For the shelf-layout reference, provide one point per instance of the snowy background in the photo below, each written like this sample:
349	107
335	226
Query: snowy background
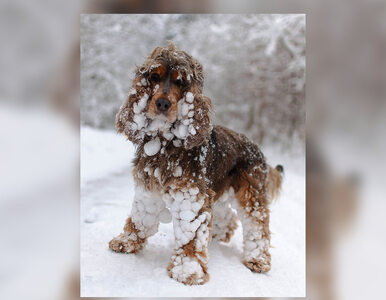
254	67
255	75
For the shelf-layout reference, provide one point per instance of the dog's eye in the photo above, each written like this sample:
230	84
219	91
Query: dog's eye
155	77
178	82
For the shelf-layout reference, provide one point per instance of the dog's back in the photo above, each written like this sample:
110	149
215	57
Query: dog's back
232	155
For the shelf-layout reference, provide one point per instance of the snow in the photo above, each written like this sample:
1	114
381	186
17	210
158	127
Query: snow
102	152
189	97
192	131
187	215
184	125
165	216
229	52
177	143
107	196
144	82
152	147
185	231
179	131
185	208
185	267
177	172
223	216
146	210
184	109
255	243
139	107
140	120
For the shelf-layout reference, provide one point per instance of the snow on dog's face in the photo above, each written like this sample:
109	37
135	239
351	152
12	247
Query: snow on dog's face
167	86
166	101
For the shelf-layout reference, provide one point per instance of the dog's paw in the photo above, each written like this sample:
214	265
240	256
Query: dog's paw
187	270
126	242
224	237
258	265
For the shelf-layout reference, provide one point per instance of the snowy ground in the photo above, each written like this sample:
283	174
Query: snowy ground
106	195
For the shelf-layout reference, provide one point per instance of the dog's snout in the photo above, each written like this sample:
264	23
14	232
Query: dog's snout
163	104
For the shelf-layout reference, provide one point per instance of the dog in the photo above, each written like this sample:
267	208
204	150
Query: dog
190	172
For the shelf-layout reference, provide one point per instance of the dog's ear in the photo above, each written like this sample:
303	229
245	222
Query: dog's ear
199	105
131	117
201	126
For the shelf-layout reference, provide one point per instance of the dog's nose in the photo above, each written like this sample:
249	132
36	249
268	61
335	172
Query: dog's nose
163	104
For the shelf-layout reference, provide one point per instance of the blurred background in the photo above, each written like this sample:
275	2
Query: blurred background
346	116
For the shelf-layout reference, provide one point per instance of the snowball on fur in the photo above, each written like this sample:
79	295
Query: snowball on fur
152	147
189	97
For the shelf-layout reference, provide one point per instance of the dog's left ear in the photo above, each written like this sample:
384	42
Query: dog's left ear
201	127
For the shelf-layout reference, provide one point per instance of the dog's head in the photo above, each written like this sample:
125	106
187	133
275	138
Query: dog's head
166	100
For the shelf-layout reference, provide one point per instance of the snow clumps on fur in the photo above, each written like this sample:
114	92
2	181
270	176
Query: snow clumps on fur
184	126
224	218
185	207
189	223
256	244
179	131
146	212
152	147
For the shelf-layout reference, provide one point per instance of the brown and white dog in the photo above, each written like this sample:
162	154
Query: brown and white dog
195	170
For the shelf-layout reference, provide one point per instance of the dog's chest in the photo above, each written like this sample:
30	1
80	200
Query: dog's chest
158	171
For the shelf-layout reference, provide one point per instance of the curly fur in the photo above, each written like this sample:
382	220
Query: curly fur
197	170
192	70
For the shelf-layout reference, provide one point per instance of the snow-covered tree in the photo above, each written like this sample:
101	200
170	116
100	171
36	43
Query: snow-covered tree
254	67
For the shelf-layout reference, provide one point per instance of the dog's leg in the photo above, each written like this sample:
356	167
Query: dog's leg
253	212
142	224
192	224
224	219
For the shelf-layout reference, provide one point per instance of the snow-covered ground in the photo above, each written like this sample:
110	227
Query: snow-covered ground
106	194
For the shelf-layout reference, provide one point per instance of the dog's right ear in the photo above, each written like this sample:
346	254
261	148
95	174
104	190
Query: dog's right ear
131	117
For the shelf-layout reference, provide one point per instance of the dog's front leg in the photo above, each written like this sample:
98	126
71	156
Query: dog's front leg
143	223
192	224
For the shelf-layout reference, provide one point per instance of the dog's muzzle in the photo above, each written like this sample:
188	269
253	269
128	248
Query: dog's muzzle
163	104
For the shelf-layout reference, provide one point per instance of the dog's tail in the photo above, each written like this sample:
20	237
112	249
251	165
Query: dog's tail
275	179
